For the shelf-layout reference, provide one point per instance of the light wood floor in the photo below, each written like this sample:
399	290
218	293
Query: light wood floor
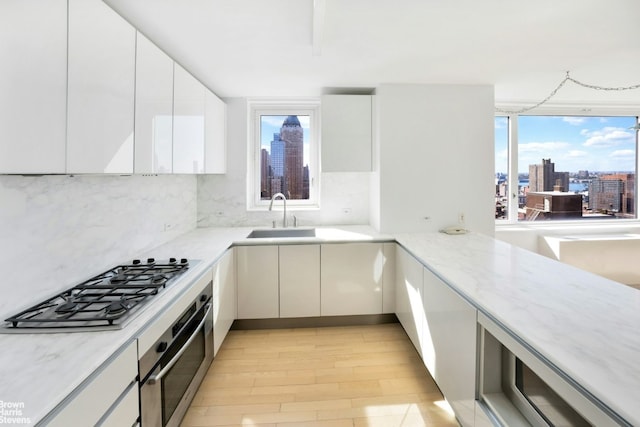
334	377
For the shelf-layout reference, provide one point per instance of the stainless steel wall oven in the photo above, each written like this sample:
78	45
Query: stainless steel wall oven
172	369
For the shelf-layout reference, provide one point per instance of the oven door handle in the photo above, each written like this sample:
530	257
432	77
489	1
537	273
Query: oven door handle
155	378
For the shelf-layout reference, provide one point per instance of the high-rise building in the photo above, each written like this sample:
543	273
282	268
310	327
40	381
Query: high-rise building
544	178
613	193
277	155
265	172
292	135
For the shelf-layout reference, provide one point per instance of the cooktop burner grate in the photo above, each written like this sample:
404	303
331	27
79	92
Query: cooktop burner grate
103	301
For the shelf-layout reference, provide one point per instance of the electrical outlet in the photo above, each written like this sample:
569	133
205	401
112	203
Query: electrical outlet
461	217
168	226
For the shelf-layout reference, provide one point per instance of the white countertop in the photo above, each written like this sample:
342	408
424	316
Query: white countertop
587	326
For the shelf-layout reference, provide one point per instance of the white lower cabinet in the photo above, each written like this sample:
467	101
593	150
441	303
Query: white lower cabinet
299	280
125	411
224	297
449	345
351	278
106	399
409	309
257	269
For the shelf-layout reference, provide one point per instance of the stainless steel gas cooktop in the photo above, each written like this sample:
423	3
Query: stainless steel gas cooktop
103	302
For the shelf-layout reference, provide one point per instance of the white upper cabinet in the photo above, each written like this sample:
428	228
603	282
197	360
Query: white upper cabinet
33	82
101	89
215	134
347	133
154	109
188	122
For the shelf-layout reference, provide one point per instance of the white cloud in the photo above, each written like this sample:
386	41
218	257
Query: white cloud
278	120
574	121
542	147
608	137
577	154
623	154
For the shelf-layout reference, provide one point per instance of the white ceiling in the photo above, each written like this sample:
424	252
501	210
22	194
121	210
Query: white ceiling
523	47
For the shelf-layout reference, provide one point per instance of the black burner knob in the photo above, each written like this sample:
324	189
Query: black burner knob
136	261
203	297
161	347
150	260
172	260
183	261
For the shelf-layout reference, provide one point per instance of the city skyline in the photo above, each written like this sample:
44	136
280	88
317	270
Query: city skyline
596	144
282	169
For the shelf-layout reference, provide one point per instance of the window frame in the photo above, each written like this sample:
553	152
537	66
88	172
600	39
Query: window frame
282	107
512	156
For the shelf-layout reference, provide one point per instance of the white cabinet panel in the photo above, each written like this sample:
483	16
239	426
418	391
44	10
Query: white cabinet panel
346	133
224	297
409	289
154	109
257	269
101	89
215	135
125	412
449	348
33	84
389	278
299	280
188	122
351	278
93	400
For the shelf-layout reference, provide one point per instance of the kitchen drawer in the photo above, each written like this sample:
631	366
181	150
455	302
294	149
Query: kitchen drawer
88	404
124	412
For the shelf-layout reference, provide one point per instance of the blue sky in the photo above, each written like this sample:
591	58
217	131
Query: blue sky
572	143
272	124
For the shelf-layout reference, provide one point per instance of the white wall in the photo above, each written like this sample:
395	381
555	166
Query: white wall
56	231
436	157
222	198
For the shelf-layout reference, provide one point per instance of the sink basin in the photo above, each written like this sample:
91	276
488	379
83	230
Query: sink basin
278	233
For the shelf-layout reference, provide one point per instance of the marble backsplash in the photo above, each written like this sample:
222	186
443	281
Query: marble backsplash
57	230
344	200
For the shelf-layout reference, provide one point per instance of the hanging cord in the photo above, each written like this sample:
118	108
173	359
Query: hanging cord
562	83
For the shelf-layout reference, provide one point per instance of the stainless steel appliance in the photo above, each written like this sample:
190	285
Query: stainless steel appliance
173	368
103	302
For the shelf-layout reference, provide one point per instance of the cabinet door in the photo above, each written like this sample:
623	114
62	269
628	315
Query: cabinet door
449	349
33	84
154	109
346	133
224	298
409	289
101	89
91	401
299	280
188	123
351	279
257	282
215	134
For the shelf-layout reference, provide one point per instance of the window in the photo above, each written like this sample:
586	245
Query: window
568	167
502	167
284	153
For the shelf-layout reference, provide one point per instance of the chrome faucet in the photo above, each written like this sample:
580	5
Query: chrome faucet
284	200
